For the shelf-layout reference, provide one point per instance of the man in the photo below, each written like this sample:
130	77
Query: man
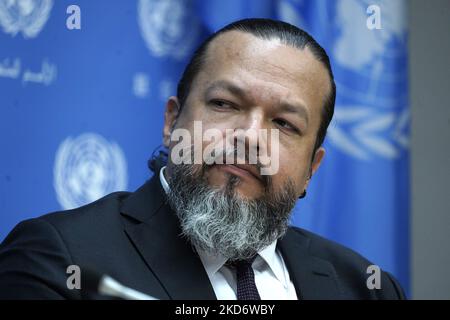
212	229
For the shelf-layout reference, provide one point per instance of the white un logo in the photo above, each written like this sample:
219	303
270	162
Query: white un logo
26	16
371	120
168	27
86	168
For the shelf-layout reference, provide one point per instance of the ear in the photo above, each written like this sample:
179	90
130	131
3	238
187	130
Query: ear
170	116
317	160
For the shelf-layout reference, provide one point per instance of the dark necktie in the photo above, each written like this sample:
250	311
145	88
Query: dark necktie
246	286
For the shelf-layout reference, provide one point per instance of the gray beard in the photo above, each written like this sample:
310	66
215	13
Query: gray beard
220	222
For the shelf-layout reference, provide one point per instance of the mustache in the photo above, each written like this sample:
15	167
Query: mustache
235	153
232	152
221	157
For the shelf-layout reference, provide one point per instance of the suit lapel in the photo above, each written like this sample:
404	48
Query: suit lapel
156	235
155	232
313	277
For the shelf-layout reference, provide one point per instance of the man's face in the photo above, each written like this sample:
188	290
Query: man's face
250	83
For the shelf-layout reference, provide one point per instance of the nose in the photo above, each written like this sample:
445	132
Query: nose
249	131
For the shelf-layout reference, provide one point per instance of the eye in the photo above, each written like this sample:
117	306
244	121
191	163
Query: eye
285	125
221	104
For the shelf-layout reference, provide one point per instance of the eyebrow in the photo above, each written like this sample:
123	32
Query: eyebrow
298	109
227	86
286	107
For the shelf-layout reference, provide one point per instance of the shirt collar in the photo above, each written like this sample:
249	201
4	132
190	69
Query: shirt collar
270	255
213	263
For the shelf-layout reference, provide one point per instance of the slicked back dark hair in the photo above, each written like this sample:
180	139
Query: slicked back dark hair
266	29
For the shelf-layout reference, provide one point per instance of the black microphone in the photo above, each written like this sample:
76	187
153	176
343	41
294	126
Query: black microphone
156	162
92	281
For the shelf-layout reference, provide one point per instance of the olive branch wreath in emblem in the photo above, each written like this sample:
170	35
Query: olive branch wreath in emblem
28	17
362	132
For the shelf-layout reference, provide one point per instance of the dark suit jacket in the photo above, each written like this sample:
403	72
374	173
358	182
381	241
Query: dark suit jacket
134	237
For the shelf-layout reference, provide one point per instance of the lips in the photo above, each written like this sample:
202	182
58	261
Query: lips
249	168
243	169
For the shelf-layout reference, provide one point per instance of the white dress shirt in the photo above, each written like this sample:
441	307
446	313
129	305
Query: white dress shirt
271	275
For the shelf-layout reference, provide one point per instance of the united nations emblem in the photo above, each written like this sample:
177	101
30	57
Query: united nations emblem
370	121
168	27
26	16
86	168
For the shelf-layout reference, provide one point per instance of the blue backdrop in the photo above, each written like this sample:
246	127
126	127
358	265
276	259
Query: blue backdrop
82	109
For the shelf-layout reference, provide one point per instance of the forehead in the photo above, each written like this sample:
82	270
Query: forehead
265	68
